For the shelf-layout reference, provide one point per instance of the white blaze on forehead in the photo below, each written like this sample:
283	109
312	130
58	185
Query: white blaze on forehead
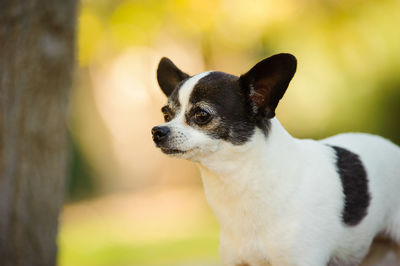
186	89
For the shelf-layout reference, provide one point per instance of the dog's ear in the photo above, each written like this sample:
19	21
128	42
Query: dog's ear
169	76
267	81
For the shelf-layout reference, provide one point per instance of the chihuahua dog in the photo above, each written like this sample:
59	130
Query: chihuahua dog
279	200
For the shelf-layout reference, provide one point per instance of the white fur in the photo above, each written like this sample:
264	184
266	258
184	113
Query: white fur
279	199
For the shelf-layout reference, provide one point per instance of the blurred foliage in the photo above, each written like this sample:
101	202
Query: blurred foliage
347	80
80	182
348	51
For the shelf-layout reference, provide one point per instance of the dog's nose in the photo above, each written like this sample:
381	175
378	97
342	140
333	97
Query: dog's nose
159	133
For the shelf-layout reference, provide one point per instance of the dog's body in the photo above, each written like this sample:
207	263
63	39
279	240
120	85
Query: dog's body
279	200
286	209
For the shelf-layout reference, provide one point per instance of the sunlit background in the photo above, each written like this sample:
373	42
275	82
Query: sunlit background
127	203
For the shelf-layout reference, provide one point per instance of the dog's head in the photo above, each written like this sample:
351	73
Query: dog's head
212	110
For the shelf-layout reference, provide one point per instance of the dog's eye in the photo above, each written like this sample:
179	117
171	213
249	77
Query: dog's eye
167	117
202	117
167	113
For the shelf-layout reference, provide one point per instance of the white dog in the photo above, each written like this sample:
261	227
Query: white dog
279	200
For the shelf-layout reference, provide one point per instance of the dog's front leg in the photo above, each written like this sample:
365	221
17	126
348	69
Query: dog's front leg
243	253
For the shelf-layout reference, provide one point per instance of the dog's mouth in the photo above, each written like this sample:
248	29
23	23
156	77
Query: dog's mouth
172	151
175	151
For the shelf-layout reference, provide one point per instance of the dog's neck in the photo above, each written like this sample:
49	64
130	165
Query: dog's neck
234	176
263	151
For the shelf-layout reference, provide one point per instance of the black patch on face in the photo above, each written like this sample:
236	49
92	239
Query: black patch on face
235	118
355	185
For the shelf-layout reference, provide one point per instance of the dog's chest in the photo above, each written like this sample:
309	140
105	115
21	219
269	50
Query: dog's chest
237	248
249	235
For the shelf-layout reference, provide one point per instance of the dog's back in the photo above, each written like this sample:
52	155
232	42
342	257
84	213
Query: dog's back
381	161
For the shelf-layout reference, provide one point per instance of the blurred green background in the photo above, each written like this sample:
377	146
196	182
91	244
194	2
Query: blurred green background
127	203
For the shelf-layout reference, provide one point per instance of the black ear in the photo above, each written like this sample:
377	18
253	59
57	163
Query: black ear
267	81
169	76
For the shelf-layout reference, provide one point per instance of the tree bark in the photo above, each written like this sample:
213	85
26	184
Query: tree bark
36	62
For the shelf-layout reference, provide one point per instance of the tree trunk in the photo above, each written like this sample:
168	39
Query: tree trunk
36	62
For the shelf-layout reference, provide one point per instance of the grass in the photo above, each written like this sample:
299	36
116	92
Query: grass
168	252
111	232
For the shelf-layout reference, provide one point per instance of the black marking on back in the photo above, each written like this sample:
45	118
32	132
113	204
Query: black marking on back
355	185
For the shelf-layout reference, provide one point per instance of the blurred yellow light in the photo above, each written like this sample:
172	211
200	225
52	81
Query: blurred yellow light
90	31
